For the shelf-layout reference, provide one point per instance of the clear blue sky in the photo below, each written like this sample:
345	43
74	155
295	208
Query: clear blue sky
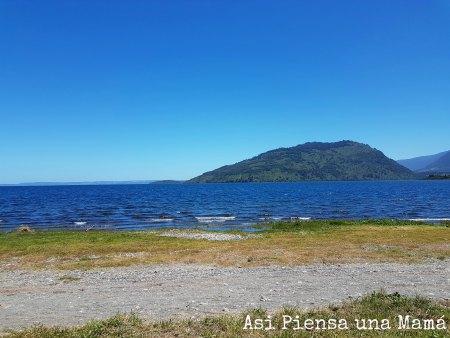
122	90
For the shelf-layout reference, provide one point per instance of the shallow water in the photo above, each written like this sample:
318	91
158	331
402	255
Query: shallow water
217	206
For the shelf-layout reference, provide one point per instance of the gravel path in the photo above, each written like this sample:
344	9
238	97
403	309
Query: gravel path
162	292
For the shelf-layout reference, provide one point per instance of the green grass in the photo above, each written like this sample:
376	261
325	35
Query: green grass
328	225
279	243
377	305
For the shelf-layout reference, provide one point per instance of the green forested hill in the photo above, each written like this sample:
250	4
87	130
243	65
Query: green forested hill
344	160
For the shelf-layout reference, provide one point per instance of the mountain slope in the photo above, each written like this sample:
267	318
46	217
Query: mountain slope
441	165
421	162
344	160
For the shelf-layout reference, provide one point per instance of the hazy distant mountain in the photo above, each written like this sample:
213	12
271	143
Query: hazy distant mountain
31	184
432	163
167	182
442	164
418	163
344	160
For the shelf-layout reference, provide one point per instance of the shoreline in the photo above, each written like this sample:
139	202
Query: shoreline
214	223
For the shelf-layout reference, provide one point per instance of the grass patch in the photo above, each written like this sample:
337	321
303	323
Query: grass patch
377	305
328	225
68	278
282	243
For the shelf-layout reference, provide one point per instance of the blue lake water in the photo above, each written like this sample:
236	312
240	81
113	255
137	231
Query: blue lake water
217	206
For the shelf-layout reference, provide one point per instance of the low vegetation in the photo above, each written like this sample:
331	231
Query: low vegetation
438	177
377	307
280	243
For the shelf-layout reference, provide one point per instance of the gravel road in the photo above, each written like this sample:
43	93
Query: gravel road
163	292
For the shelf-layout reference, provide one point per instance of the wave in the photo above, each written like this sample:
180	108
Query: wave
159	220
214	219
80	223
428	219
296	218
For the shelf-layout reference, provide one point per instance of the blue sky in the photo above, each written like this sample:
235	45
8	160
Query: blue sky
118	90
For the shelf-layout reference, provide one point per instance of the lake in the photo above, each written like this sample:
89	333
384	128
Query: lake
217	206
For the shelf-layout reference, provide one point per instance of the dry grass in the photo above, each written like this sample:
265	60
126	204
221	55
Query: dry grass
283	244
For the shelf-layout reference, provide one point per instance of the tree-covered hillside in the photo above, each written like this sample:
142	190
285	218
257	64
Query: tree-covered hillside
344	160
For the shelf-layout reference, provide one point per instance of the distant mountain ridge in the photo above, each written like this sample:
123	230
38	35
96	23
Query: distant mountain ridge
47	184
343	160
437	163
442	164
